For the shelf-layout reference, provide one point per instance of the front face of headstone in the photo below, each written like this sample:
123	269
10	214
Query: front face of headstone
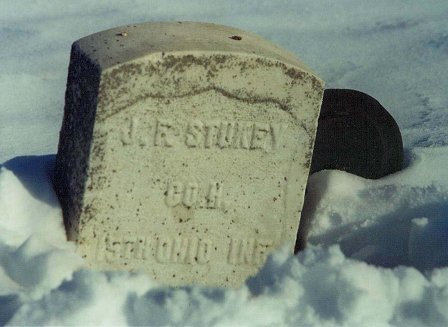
197	165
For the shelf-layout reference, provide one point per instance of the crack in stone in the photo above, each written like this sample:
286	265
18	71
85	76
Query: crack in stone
222	91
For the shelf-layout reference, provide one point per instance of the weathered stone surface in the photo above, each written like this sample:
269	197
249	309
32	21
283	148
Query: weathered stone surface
185	150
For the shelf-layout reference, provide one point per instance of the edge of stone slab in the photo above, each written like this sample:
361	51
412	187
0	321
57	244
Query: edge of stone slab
129	42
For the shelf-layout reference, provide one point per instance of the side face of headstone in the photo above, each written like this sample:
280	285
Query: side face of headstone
185	150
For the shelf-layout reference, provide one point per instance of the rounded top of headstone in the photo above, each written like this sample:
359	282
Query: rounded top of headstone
121	44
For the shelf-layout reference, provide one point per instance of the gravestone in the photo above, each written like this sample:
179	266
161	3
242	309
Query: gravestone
356	134
184	150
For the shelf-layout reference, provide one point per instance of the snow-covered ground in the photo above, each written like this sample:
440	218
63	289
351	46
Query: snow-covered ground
378	250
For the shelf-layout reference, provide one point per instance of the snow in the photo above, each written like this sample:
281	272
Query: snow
377	249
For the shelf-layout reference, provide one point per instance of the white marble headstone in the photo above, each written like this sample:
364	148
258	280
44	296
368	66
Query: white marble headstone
185	150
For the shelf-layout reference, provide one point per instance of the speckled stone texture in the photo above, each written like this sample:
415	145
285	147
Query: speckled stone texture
185	150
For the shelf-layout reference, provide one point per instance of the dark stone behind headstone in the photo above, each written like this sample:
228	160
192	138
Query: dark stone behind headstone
356	134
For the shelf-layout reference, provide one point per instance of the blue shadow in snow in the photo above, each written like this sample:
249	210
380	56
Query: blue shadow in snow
35	173
9	304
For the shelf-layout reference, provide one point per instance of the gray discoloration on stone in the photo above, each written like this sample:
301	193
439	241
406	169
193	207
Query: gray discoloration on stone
118	45
184	152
